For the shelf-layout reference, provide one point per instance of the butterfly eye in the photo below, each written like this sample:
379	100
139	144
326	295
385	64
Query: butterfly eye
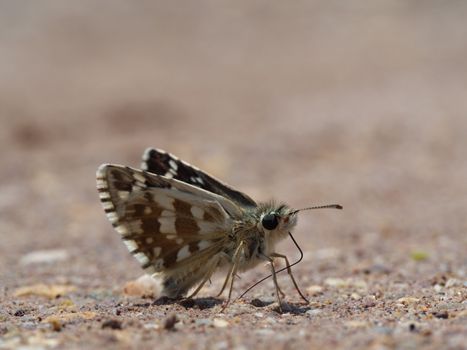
270	222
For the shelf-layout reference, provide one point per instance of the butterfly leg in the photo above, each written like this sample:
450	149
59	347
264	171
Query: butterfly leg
214	262
274	278
226	281
232	273
289	271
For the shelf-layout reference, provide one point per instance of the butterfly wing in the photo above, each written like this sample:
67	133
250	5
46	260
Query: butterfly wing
169	226
162	163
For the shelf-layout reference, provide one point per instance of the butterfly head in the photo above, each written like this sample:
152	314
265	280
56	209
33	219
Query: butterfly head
283	219
278	219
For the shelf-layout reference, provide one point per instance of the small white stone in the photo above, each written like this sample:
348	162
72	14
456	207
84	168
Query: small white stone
453	282
315	290
336	282
220	323
44	256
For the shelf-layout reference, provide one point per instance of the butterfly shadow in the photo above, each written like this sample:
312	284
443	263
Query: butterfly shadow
294	309
190	303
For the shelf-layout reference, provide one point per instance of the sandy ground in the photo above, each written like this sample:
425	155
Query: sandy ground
310	102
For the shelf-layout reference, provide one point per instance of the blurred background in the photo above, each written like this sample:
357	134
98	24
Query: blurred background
309	102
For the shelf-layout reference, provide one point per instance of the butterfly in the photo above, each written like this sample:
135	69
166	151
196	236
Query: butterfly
182	224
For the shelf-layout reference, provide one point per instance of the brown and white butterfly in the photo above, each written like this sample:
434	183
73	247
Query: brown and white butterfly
182	224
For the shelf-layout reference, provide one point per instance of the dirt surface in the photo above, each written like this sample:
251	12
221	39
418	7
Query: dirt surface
363	104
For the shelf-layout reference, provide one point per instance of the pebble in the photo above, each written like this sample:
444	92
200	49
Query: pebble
144	286
220	323
335	282
453	282
44	256
314	290
345	283
441	314
112	324
383	330
154	326
49	291
408	300
203	322
170	322
19	313
357	324
369	301
221	345
314	312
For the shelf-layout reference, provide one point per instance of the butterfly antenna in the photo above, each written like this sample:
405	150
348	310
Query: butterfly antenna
327	206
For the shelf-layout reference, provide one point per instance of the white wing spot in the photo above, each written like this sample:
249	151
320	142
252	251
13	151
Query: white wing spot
146	154
135	226
167	225
131	245
121	229
183	253
113	218
179	240
102	184
138	186
167	213
206	227
172	236
173	165
149	240
200	180
143	259
147	210
123	194
165	202
169	175
139	177
203	244
108	205
157	251
197	212
104	195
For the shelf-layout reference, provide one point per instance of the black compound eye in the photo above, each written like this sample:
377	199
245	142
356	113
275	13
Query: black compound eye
270	222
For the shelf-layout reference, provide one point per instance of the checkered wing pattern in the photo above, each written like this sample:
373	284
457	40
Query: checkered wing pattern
163	163
166	224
